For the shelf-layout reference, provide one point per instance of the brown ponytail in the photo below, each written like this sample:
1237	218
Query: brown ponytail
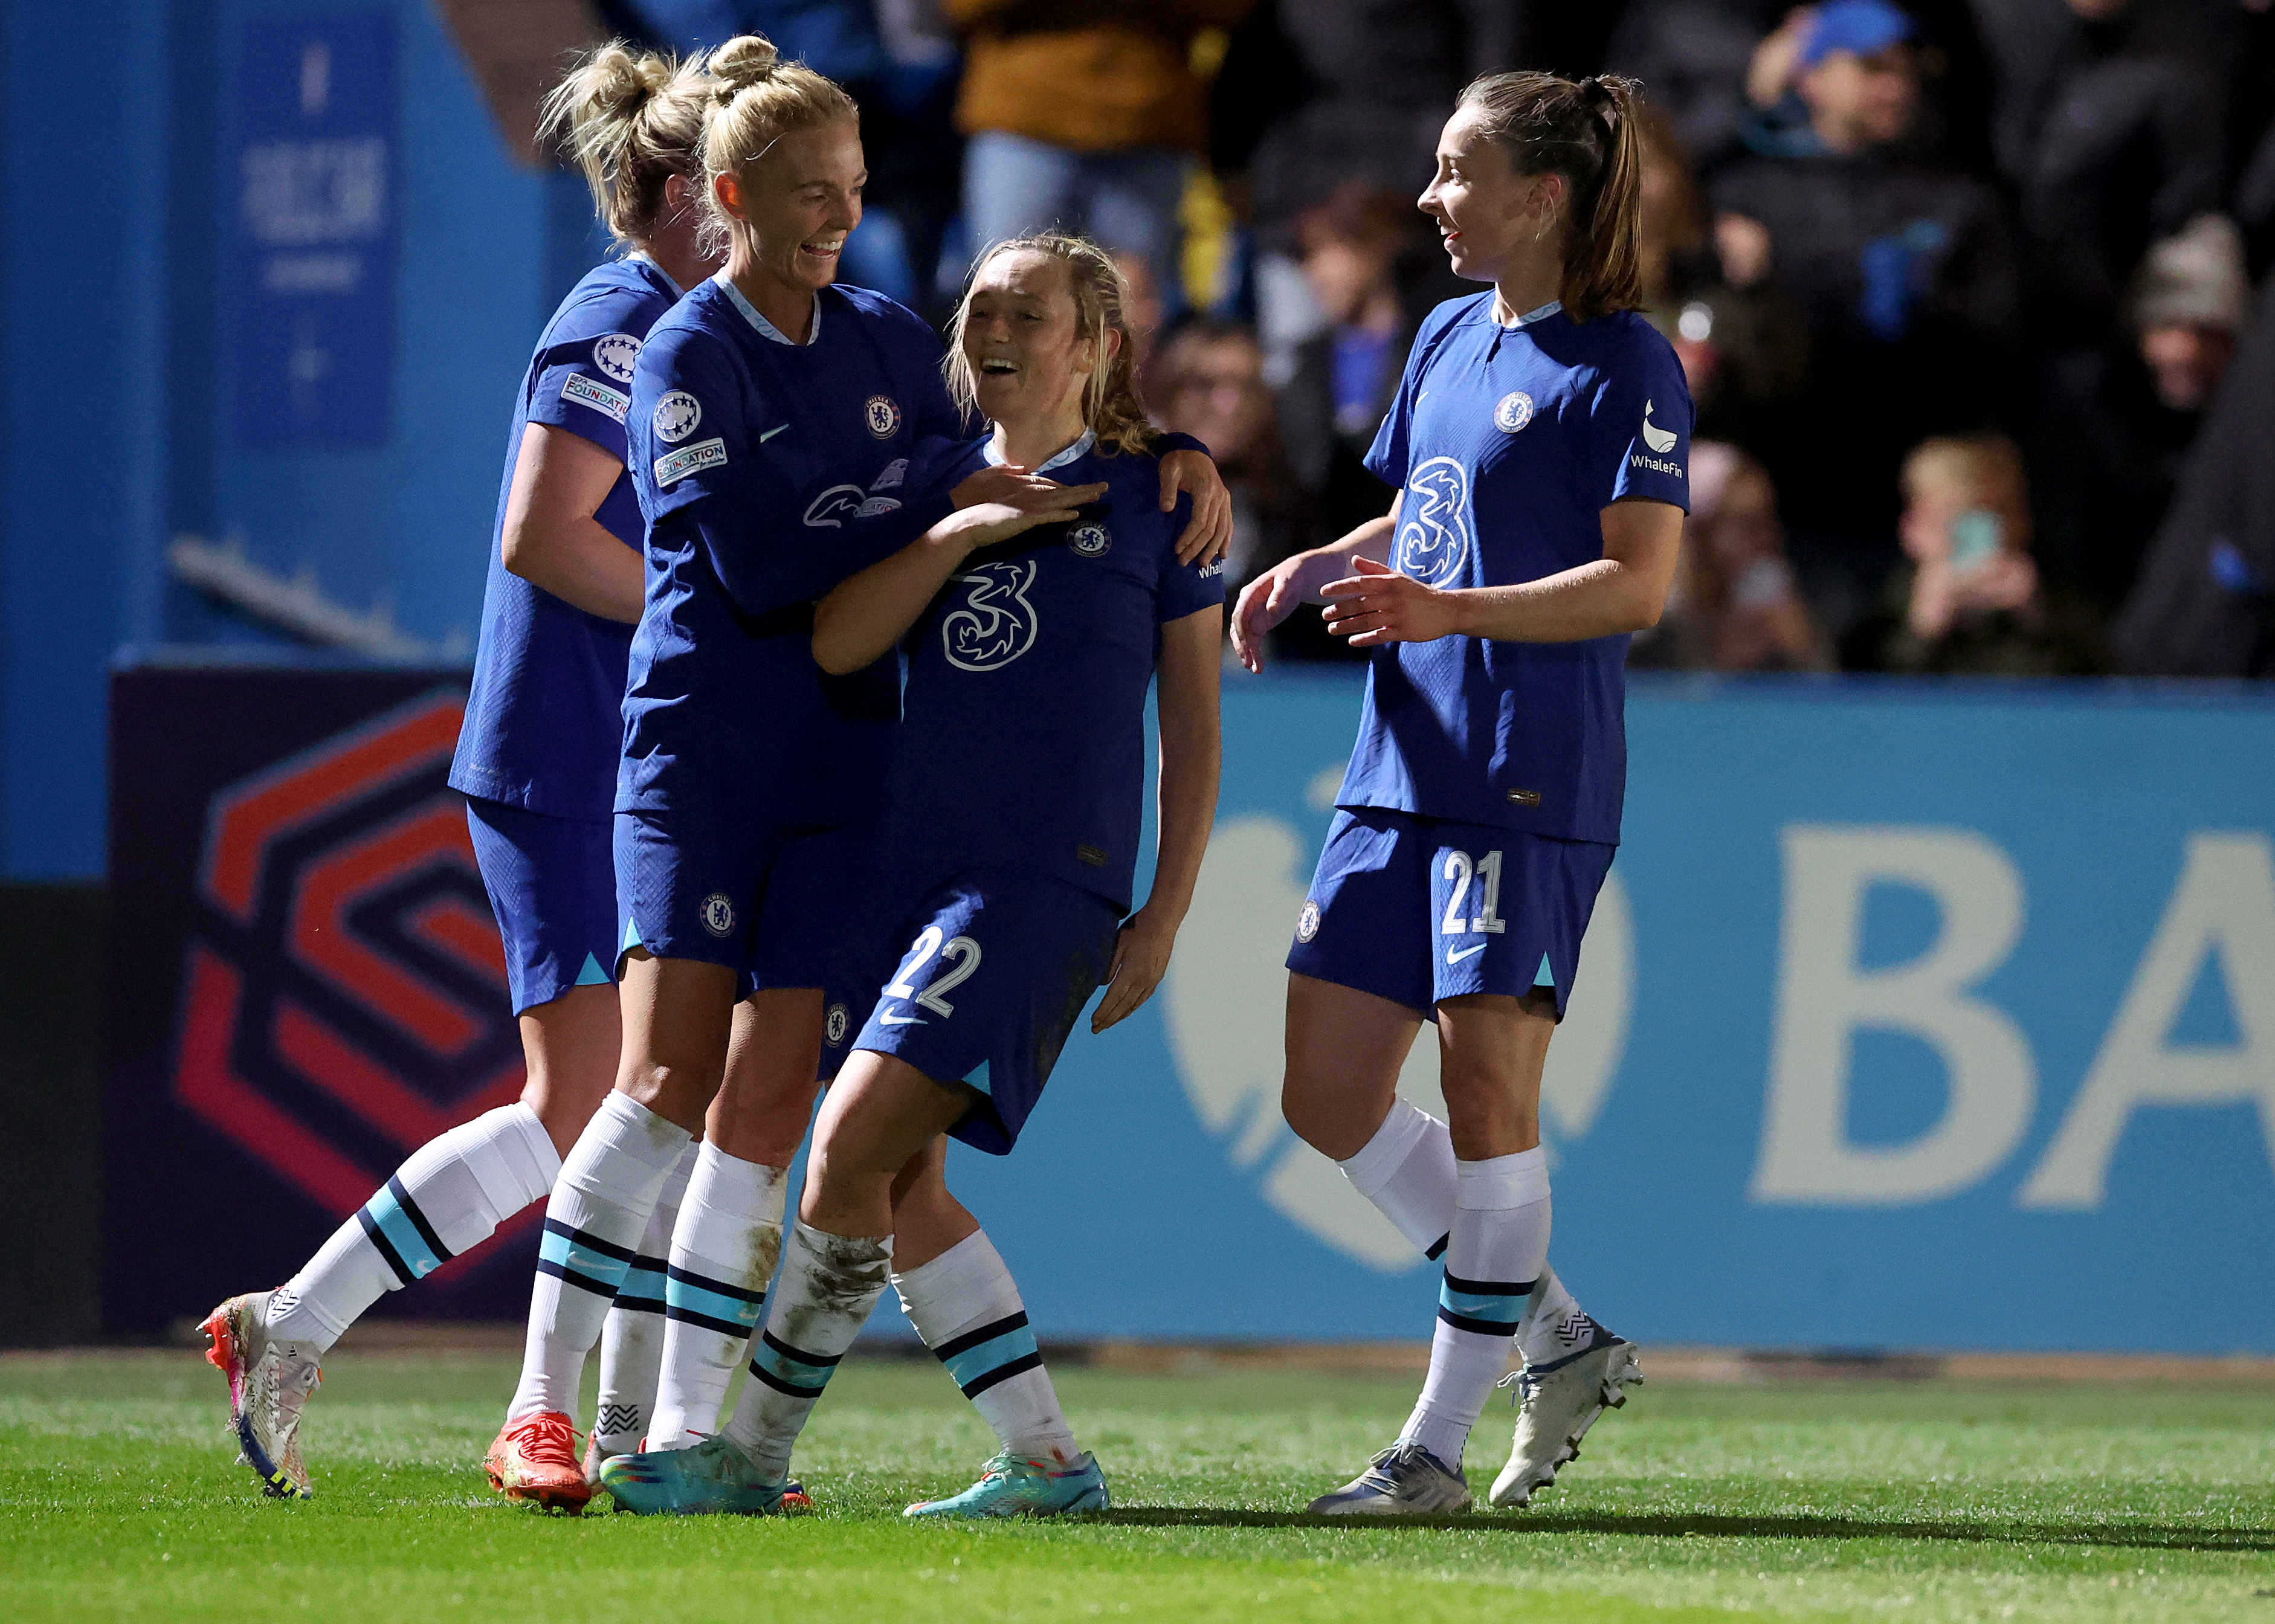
1585	131
1112	407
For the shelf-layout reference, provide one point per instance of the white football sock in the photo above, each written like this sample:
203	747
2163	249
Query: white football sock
1555	1328
1406	1170
631	1339
1497	1247
451	1196
966	1307
723	1255
600	1204
828	1284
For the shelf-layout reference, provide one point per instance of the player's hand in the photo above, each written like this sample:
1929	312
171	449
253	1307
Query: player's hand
1263	604
986	523
1375	605
1141	955
1209	531
1009	483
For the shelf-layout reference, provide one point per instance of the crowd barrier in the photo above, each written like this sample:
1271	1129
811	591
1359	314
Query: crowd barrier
1912	1016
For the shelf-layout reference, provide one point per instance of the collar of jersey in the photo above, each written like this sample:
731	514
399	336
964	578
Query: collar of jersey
767	329
653	264
1075	452
1531	316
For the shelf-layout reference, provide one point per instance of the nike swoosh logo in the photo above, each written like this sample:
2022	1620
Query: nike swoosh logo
903	1020
770	434
1452	957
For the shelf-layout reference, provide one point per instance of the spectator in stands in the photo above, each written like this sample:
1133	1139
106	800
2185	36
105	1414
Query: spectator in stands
2120	418
1904	275
1735	606
2205	603
2109	120
1345	374
1694	58
1207	381
1742	349
1086	119
1372	80
1968	598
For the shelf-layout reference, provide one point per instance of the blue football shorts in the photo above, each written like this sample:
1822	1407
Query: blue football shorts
553	887
997	969
755	898
1417	910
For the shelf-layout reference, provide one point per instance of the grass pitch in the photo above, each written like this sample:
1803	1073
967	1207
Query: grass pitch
118	1497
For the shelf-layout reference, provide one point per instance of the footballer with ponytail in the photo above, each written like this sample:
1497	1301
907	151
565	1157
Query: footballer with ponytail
1539	446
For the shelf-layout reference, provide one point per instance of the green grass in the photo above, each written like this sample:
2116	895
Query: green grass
118	1497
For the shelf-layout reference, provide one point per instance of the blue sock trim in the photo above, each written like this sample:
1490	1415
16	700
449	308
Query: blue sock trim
989	1353
400	1233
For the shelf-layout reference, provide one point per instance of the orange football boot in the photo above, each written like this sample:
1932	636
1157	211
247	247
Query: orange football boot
535	1460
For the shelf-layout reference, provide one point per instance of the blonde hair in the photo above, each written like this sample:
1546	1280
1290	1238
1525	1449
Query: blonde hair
1585	131
1987	467
630	120
1112	407
756	99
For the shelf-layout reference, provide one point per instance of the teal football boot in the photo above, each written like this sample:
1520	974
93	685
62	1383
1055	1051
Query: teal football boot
1015	1486
711	1476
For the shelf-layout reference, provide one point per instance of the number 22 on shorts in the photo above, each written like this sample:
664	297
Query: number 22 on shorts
959	953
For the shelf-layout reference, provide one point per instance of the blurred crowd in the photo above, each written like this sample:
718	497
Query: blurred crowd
1964	289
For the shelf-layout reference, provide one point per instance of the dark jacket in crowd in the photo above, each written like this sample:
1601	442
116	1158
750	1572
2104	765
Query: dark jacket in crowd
2205	604
1906	279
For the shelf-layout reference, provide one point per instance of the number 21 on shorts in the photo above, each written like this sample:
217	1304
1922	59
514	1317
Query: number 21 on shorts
1471	882
959	956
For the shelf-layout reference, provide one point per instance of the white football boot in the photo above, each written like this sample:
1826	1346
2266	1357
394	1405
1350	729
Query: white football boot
270	1382
1405	1480
1561	1402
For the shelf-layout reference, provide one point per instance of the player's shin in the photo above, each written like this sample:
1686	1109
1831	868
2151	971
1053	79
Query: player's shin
966	1307
632	1337
451	1196
828	1285
723	1255
607	1186
1494	1254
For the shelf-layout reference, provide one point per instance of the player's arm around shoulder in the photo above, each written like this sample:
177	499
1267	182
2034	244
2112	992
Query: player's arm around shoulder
1192	754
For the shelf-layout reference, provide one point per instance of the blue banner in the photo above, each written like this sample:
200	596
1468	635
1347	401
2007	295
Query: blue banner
312	177
1912	1016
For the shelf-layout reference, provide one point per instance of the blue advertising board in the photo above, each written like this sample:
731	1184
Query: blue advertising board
312	170
1911	1016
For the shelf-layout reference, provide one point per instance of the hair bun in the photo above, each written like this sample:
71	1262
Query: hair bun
745	60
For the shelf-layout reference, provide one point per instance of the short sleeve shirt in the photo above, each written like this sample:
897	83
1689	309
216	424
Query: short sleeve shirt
752	458
544	718
1507	444
1023	744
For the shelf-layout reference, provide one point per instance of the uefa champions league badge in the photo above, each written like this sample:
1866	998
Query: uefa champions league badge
1307	921
677	414
614	355
884	415
718	914
1513	411
1090	541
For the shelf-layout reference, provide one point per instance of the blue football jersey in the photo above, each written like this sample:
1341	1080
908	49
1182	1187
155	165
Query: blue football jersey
544	720
1507	444
1025	739
753	457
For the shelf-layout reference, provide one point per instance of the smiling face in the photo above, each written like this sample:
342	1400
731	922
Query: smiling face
796	204
1485	211
1022	339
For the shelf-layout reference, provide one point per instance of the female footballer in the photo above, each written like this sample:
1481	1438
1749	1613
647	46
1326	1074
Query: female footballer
1537	443
771	412
1011	829
537	759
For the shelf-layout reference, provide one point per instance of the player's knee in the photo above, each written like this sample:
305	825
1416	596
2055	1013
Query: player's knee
1328	1126
679	1092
